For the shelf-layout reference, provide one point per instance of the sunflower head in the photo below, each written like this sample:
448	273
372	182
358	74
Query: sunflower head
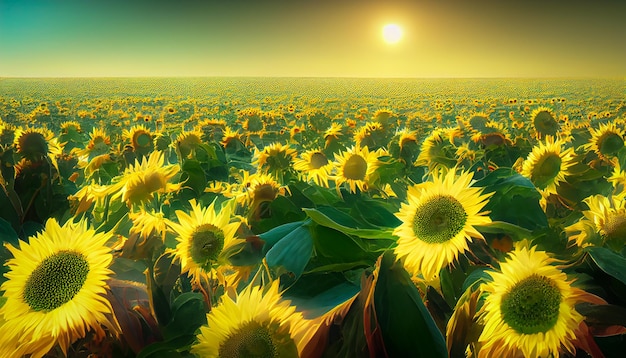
606	141
385	117
372	135
253	120
544	122
212	129
274	158
548	164
187	142
315	166
33	143
54	289
529	308
437	221
355	166
140	139
256	322
478	121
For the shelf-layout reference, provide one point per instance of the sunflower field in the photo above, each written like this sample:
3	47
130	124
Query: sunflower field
276	217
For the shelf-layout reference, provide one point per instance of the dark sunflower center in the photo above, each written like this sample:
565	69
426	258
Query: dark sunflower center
355	168
546	169
56	280
33	145
251	340
545	123
532	305
278	160
207	242
265	192
318	160
439	219
615	231
610	143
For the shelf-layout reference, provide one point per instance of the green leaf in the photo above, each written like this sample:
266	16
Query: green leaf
291	254
193	176
323	219
7	233
400	310
188	315
609	262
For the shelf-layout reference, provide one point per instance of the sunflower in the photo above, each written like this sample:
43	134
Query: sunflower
385	117
606	141
438	219
259	189
205	239
34	144
372	135
211	129
253	122
140	139
604	223
529	308
257	322
435	152
315	166
544	122
55	289
231	140
140	181
148	232
547	164
187	142
99	144
70	126
355	166
274	158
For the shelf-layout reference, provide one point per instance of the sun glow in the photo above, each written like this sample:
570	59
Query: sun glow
392	33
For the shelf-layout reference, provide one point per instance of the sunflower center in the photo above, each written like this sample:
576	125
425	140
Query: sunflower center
439	219
355	168
532	305
33	144
318	160
142	140
56	280
207	242
610	143
264	192
250	340
615	230
546	169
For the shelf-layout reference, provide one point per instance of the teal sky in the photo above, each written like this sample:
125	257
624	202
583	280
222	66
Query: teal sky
342	38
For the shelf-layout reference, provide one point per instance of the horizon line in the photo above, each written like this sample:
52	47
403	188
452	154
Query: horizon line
622	77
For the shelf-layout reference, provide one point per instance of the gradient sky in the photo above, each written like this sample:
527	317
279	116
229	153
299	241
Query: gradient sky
319	38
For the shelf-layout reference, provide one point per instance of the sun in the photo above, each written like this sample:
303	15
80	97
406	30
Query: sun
392	33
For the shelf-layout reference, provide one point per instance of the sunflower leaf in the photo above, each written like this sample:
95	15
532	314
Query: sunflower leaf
609	262
325	220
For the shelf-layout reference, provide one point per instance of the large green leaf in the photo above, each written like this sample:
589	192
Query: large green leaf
405	323
609	262
332	218
291	253
7	234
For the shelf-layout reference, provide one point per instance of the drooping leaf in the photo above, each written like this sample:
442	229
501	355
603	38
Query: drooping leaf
609	262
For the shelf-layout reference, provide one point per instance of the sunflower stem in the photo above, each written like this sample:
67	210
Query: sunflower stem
498	227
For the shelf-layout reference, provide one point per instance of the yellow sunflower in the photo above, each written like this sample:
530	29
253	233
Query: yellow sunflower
435	152
606	141
140	139
70	126
257	322
231	139
55	289
99	144
274	158
187	142
529	308
355	166
314	166
547	164
604	223
259	189
372	135
34	144
544	122
140	181
438	219
205	239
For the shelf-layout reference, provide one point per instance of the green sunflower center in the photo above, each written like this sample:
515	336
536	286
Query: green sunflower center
545	123
439	219
610	143
532	305
355	168
143	140
56	280
546	169
256	340
318	160
207	242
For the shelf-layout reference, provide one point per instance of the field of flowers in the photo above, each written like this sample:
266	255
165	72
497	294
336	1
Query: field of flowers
312	217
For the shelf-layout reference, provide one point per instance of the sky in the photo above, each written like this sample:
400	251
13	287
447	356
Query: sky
312	38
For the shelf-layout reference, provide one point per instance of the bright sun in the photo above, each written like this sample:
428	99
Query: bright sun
392	33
